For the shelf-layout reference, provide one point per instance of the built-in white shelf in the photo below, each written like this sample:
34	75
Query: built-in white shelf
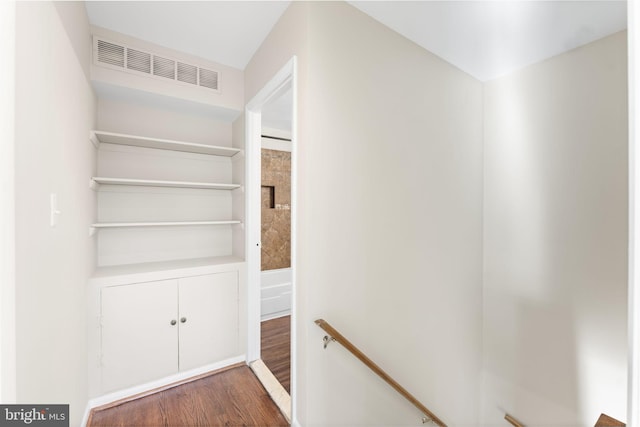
155	183
160	224
143	272
98	137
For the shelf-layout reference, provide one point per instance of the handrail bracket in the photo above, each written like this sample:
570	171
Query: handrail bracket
326	340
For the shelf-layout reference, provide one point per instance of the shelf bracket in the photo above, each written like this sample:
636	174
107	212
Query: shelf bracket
94	139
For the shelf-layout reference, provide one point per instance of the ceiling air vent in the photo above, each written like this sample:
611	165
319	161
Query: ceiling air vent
110	53
116	55
209	78
187	73
139	61
164	67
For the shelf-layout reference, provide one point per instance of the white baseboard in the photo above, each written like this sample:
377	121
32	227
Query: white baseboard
85	417
162	382
277	315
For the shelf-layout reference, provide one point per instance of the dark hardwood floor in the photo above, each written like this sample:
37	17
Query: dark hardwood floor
233	397
275	345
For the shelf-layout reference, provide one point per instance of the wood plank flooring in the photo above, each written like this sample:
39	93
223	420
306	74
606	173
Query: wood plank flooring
275	345
233	397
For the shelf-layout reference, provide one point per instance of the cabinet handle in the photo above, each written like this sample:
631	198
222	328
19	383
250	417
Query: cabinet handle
173	322
183	320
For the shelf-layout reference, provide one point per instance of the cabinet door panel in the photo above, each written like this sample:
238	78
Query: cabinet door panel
139	344
209	304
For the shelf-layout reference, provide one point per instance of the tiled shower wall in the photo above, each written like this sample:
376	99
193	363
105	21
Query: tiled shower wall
276	209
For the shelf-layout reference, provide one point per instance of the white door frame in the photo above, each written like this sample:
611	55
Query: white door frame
278	85
633	391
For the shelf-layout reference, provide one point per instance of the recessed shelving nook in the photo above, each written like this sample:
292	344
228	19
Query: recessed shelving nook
164	236
167	296
153	184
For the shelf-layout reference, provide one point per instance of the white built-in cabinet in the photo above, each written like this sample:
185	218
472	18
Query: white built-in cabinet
156	329
165	298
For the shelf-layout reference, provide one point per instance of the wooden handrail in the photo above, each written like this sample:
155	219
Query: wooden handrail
606	421
338	337
512	420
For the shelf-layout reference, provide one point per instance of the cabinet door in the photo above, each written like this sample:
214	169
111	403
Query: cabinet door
139	343
208	307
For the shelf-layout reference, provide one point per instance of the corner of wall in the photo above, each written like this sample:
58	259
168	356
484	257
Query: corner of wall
555	233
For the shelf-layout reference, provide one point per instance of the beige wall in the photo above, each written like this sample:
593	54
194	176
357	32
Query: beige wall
389	229
403	250
7	201
55	108
555	239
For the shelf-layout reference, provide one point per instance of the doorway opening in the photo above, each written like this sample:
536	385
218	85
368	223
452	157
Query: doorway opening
275	207
271	236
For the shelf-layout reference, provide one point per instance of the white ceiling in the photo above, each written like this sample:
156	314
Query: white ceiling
484	38
488	39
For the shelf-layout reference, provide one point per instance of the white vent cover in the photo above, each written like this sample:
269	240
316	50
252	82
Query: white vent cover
119	56
164	67
137	60
208	78
110	53
188	73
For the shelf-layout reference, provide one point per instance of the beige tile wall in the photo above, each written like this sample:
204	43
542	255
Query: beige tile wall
276	221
